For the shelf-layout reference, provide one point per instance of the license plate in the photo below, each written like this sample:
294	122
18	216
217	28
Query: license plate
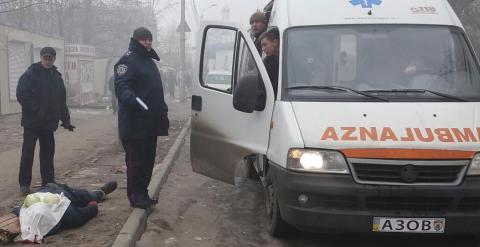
410	225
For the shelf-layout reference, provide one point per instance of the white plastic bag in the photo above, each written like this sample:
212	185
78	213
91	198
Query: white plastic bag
39	218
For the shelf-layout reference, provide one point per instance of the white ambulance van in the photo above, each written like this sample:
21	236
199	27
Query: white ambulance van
375	127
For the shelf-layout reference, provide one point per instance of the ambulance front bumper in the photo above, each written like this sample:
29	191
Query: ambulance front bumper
336	203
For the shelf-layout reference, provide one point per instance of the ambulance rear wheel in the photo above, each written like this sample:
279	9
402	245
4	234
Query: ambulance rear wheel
276	225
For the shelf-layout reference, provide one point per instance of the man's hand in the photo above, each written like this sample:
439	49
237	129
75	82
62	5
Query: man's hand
68	126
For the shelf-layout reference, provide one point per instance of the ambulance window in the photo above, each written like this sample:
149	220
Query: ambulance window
248	66
218	53
347	58
246	62
465	63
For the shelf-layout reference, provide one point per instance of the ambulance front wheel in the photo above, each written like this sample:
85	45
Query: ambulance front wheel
276	225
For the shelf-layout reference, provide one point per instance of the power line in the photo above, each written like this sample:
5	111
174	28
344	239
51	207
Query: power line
9	1
18	8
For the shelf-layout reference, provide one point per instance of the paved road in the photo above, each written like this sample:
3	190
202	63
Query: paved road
197	211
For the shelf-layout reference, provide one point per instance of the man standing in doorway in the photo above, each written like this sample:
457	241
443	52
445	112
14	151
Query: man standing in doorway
258	25
142	114
270	41
42	95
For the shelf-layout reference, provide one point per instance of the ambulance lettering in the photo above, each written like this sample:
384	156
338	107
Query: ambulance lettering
424	10
387	134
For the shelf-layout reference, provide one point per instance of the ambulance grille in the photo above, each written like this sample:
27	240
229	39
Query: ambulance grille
407	173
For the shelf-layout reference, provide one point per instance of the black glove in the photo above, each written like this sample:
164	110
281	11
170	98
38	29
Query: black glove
68	126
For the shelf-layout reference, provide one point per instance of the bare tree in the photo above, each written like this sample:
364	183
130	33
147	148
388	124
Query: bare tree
468	11
106	24
161	7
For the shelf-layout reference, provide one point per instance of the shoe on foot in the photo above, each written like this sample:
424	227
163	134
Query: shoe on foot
25	190
98	195
52	185
152	201
143	204
109	187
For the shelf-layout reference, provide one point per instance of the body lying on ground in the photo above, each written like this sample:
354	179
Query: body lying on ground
81	207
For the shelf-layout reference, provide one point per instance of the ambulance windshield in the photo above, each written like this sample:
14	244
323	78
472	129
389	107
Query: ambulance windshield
383	60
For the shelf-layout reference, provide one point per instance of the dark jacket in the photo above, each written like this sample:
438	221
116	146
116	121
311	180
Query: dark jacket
42	94
257	42
136	75
272	66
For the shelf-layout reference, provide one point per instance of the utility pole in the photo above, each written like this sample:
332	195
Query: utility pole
182	29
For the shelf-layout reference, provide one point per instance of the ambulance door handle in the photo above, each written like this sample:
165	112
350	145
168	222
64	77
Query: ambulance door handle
196	103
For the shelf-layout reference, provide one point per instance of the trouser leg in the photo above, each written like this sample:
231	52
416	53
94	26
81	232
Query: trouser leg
134	159
47	152
79	197
78	216
26	161
150	154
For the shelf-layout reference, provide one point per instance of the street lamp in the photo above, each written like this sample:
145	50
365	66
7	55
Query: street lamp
205	9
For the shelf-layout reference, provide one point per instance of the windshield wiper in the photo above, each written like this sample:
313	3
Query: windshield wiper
345	89
423	91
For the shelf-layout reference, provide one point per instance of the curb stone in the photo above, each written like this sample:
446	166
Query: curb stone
136	223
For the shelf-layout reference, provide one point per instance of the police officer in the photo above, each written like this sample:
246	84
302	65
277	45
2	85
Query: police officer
42	95
142	114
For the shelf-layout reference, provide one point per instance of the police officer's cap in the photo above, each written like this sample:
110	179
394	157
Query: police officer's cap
48	51
142	33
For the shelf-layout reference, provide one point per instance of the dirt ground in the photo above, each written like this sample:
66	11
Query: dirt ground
85	158
197	211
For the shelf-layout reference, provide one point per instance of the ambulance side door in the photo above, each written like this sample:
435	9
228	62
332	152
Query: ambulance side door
222	135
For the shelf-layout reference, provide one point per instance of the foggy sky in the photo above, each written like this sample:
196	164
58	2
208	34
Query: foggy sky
240	11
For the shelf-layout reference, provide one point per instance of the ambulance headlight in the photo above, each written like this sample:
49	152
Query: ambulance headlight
474	169
321	161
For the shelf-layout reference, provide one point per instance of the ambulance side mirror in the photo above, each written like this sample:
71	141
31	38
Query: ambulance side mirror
245	93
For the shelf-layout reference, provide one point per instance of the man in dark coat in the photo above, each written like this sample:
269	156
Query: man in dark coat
42	94
270	41
142	114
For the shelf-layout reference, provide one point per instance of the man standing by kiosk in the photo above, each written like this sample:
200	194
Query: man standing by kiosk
42	94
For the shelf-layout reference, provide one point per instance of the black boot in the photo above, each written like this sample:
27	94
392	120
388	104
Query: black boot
98	195
152	201
143	204
109	187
